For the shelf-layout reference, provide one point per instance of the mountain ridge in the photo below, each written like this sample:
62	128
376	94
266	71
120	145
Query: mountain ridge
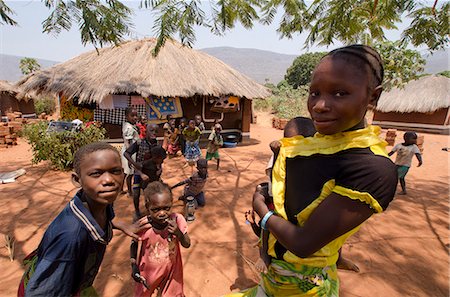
260	65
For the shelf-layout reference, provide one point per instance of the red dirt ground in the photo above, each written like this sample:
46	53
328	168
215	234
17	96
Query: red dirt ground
403	252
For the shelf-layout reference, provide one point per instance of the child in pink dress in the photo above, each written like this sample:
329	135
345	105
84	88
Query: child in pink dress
159	265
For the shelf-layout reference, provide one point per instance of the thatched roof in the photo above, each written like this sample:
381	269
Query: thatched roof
7	87
130	68
427	94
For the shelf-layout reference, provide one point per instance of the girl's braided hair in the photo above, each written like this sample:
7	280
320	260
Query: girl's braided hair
365	55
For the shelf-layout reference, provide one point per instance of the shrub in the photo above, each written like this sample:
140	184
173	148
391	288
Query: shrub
59	147
46	105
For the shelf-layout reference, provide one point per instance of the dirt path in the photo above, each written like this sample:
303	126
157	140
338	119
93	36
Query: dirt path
403	252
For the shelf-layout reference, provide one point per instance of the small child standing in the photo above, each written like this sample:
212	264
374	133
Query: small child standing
142	151
195	184
181	127
159	265
215	142
130	134
192	135
174	138
142	125
405	152
199	122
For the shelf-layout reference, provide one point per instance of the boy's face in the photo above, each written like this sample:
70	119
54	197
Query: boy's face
198	119
132	117
191	124
101	176
151	132
339	96
159	207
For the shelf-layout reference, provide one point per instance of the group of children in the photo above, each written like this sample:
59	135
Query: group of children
323	187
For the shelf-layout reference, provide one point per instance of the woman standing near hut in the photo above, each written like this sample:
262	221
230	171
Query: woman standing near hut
192	135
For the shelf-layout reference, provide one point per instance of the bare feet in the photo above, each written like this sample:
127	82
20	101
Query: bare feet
345	264
261	266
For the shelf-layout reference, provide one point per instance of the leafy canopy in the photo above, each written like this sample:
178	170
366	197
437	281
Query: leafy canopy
400	65
28	65
326	21
299	73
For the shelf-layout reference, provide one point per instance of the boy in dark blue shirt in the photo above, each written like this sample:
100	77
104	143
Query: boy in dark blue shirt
72	249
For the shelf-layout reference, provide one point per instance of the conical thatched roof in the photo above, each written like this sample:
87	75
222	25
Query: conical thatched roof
131	68
426	94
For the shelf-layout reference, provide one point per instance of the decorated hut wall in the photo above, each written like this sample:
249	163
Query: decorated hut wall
235	119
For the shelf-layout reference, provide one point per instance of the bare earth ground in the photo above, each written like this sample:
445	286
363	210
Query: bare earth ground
403	252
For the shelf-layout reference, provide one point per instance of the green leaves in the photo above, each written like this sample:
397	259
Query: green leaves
400	64
59	147
4	17
28	65
99	22
104	22
430	26
299	73
173	17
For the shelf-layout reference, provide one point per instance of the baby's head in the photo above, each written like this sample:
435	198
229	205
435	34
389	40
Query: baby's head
131	115
152	130
158	202
299	126
410	138
98	171
344	83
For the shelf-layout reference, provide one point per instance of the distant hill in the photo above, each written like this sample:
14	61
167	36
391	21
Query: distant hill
256	64
9	66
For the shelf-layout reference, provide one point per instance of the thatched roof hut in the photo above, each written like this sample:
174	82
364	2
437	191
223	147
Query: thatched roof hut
423	104
130	68
113	78
426	94
10	102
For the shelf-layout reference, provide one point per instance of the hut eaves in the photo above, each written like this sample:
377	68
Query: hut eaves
130	68
426	94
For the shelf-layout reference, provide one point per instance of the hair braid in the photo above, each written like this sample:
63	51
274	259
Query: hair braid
366	54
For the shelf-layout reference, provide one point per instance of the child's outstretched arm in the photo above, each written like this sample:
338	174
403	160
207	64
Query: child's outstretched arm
134	229
180	183
182	237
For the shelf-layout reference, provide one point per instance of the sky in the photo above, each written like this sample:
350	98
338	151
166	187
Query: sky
28	40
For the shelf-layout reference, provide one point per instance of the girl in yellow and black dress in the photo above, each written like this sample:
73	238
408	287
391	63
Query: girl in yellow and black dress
324	187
